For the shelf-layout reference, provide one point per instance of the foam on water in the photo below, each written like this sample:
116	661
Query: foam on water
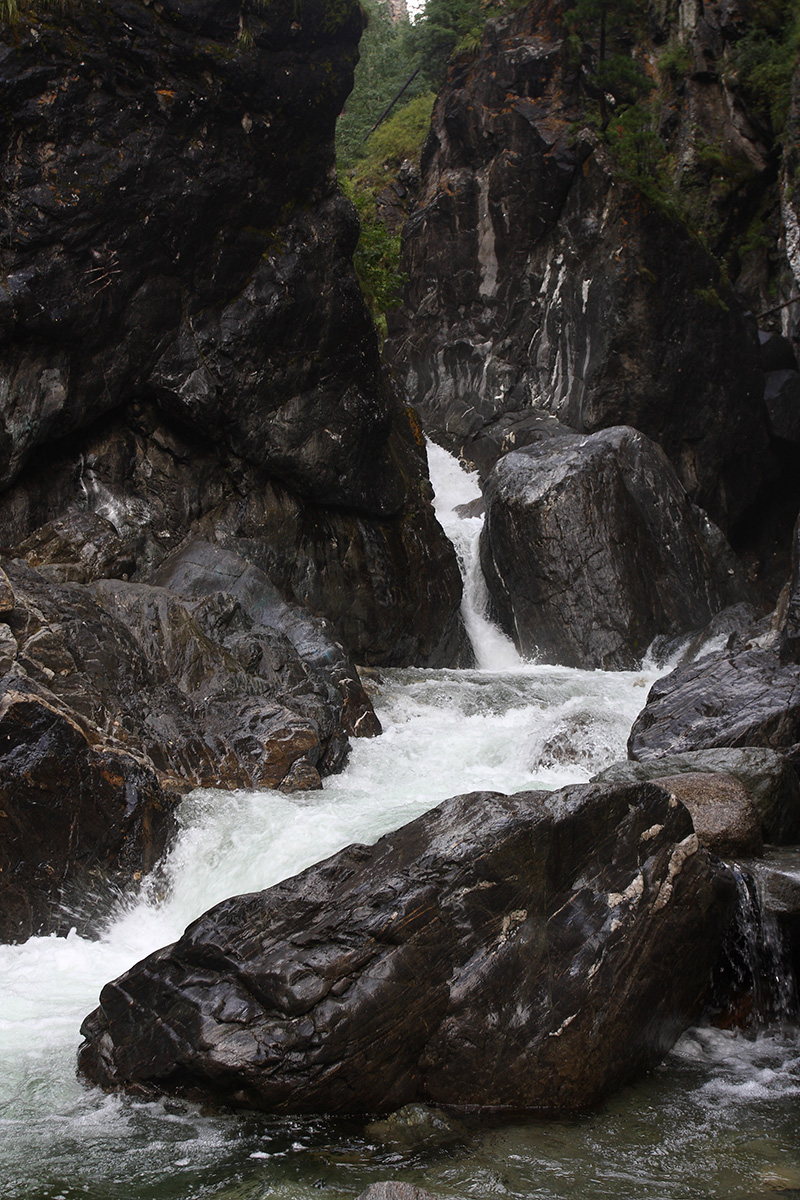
505	726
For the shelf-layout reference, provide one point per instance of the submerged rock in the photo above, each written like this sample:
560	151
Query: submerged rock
533	950
571	523
394	1190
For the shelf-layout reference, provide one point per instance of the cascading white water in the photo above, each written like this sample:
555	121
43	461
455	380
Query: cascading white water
506	725
454	488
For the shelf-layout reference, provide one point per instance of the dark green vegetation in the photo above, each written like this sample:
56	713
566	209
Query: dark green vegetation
386	120
636	75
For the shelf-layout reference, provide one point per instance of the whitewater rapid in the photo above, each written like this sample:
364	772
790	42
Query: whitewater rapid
505	725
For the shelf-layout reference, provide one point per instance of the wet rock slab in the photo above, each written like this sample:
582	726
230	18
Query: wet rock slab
570	523
730	698
767	777
531	950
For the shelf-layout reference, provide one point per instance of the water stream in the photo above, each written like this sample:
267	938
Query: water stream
720	1118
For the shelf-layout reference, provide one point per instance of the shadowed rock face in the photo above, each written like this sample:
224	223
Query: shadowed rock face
531	950
80	821
539	281
591	548
184	348
730	698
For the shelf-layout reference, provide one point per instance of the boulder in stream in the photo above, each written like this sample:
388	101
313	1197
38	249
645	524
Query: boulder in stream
591	548
740	697
534	950
79	821
767	777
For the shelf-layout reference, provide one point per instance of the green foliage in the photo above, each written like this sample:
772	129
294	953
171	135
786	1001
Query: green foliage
385	64
9	11
675	61
446	28
377	258
612	74
763	67
377	255
711	297
400	137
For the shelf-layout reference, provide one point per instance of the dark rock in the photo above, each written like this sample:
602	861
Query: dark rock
723	816
6	595
768	779
730	698
390	588
790	632
79	821
533	950
196	687
570	523
782	399
540	280
78	548
161	238
184	346
728	628
775	352
200	569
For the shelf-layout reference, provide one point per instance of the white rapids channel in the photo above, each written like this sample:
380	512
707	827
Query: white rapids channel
505	725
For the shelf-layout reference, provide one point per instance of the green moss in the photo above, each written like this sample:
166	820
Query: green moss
711	297
675	60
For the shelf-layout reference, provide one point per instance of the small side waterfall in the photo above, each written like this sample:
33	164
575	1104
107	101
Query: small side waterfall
756	985
454	489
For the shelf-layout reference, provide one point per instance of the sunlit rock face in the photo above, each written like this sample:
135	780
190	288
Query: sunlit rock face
540	282
527	950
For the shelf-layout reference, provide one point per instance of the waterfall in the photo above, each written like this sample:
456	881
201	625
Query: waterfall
456	489
505	726
755	985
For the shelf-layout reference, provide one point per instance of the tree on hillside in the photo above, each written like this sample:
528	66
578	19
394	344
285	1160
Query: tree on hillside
613	74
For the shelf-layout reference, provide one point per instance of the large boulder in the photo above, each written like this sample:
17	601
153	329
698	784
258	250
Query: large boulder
79	821
570	522
768	779
740	697
206	693
528	950
542	280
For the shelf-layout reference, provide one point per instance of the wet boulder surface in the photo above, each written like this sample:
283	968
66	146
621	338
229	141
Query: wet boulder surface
736	698
80	821
570	524
768	779
533	950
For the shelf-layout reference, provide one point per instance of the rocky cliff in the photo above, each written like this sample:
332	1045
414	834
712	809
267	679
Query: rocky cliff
187	367
565	260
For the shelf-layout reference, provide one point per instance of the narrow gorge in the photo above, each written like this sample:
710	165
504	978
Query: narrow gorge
399	739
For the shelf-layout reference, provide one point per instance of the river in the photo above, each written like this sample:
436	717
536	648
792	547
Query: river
719	1118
